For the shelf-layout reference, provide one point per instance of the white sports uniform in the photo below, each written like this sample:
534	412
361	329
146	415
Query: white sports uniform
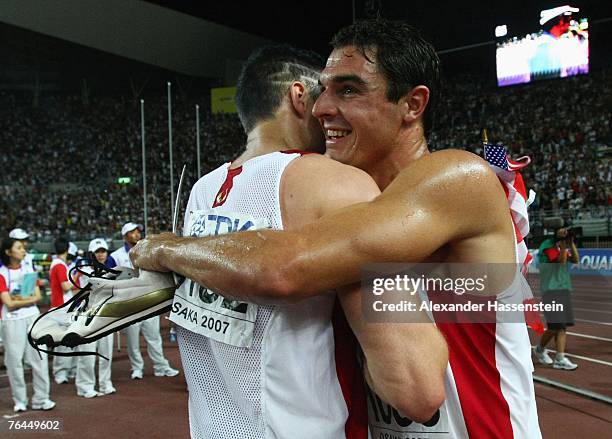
149	327
86	365
15	325
253	371
488	382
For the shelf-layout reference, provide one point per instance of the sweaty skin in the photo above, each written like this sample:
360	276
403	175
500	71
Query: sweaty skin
409	222
445	206
432	211
400	360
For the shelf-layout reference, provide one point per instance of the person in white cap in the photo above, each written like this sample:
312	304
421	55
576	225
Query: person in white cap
64	368
24	237
150	327
86	365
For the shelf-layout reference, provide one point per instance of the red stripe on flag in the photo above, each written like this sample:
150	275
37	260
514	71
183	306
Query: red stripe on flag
519	236
533	319
519	185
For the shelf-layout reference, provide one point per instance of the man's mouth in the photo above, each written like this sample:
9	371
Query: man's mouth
336	134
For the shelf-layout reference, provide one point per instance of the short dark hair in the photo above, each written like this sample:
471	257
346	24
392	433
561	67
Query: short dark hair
404	57
61	245
266	76
7	244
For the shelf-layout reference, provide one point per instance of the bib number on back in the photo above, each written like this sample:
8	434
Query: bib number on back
200	309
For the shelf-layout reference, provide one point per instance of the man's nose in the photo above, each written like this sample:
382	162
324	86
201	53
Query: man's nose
324	106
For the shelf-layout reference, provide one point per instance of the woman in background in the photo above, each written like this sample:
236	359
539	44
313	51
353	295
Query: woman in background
17	314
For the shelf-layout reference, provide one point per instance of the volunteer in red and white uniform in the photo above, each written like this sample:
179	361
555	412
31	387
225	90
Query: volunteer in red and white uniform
18	312
64	368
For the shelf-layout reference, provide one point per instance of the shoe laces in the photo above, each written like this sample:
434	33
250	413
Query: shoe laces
78	303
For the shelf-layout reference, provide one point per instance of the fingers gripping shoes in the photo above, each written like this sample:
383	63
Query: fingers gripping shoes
117	303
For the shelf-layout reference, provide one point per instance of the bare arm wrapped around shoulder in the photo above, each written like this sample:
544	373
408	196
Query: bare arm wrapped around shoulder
436	201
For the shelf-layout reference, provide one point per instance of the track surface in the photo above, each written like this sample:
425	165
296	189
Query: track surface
153	407
157	407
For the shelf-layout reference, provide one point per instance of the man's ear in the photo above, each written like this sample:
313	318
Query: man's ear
413	103
299	98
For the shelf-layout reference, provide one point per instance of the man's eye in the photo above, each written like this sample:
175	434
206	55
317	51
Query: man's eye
347	90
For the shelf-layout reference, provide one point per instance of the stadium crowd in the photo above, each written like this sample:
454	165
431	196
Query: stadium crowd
67	153
62	173
563	125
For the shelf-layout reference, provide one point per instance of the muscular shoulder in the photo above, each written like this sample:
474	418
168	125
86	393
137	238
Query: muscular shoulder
314	185
455	186
451	175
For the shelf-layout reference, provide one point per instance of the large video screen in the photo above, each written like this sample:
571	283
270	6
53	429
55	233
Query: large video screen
560	48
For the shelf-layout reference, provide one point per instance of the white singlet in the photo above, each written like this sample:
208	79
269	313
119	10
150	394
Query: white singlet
253	371
488	383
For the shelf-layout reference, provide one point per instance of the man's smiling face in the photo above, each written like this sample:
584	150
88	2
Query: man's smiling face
359	123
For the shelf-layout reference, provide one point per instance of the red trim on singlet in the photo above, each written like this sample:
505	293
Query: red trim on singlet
350	376
226	187
471	350
297	151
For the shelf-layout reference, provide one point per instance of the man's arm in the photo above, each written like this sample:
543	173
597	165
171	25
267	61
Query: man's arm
16	302
446	197
400	360
575	256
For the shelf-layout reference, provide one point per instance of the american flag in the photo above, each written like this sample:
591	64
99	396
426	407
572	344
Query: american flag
516	194
497	156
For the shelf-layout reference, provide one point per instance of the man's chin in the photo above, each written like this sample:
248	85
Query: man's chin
337	157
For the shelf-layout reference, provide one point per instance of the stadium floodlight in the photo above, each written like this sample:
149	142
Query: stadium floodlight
549	14
501	31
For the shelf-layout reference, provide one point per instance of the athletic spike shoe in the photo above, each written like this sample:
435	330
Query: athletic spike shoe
50	328
117	303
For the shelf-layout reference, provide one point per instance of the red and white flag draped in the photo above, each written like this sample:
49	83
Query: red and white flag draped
507	171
